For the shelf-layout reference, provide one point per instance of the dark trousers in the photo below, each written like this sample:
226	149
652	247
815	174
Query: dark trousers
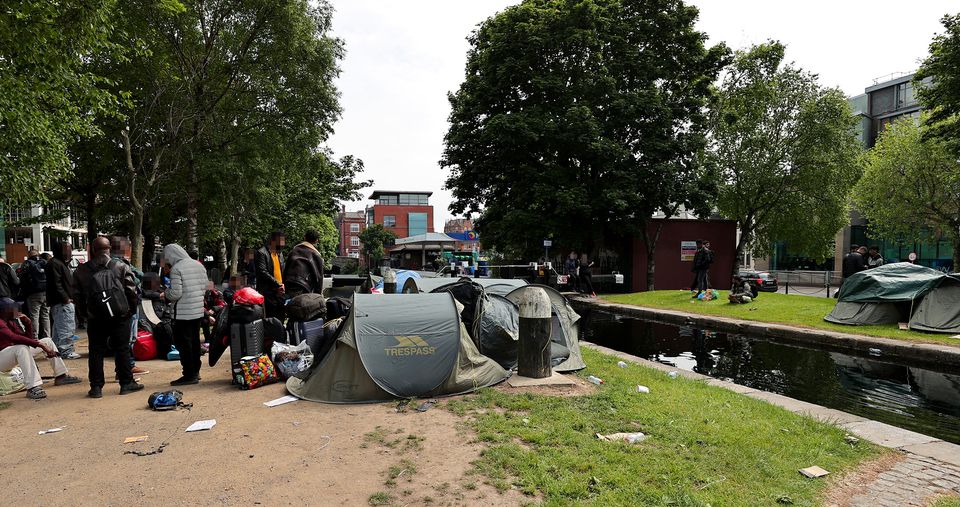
586	282
186	337
112	335
703	280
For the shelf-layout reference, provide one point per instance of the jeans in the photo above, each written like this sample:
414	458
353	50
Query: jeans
115	334
25	357
186	337
39	315
134	322
64	324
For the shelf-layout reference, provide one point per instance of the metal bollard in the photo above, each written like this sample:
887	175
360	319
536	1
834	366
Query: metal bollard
389	281
533	355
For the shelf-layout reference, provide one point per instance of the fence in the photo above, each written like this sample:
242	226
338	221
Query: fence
811	283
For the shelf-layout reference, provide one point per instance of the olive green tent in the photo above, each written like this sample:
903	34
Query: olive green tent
500	286
939	310
565	333
398	346
884	295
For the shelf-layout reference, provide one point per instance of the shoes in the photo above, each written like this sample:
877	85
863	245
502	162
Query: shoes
65	380
36	393
95	392
132	387
72	355
138	370
185	381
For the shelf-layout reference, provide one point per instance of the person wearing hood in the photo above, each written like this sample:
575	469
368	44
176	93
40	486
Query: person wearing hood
303	273
269	267
60	294
188	282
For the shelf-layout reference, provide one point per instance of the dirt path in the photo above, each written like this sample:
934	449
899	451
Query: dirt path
299	453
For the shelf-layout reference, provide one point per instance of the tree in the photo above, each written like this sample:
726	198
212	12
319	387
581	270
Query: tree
787	152
910	190
373	239
580	120
48	96
941	96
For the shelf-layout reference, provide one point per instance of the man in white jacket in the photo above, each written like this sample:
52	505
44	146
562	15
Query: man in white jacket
188	281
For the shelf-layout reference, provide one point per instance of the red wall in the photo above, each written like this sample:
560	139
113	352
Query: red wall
672	273
400	212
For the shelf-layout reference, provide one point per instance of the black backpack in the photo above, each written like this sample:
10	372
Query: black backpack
36	275
106	298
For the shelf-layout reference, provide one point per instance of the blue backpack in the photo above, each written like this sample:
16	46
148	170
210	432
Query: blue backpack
166	400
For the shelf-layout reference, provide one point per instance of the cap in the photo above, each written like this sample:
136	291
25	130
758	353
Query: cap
9	303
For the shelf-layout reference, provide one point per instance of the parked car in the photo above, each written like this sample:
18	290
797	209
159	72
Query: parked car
760	280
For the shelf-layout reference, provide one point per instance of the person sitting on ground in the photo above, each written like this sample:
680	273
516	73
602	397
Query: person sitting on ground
18	347
874	260
740	291
213	305
235	284
160	323
303	272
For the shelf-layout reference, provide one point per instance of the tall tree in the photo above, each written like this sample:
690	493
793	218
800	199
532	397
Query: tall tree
374	240
941	96
580	119
787	153
48	96
910	190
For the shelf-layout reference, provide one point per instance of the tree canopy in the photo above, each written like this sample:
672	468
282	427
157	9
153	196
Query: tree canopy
374	240
910	190
787	152
941	96
580	119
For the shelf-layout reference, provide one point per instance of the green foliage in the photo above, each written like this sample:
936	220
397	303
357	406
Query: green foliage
374	238
796	310
941	96
910	190
571	122
787	153
705	445
48	95
324	227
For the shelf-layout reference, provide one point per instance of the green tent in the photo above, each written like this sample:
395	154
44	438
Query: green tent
939	310
884	295
398	346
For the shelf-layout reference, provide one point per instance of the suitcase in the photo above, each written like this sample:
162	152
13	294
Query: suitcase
245	340
299	332
273	330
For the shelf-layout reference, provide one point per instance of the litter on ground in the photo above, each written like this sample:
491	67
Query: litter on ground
813	472
630	438
51	430
202	425
281	401
131	440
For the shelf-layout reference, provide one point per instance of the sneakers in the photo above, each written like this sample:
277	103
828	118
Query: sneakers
65	379
72	355
95	392
132	387
185	381
136	370
36	393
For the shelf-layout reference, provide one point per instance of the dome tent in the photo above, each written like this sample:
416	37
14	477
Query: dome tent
939	310
398	346
565	333
883	295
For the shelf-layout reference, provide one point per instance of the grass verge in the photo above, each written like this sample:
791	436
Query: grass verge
705	445
947	501
794	310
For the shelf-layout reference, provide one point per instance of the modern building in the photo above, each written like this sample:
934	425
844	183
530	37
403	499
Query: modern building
406	213
350	224
22	230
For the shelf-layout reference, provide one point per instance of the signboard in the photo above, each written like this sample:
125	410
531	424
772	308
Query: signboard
912	256
688	249
547	243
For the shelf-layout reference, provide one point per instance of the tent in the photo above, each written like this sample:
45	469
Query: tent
565	334
883	295
418	285
501	286
939	310
398	346
402	276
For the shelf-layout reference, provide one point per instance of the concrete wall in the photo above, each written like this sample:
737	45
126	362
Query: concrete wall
672	273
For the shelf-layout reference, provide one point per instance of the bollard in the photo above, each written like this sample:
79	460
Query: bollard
389	281
533	355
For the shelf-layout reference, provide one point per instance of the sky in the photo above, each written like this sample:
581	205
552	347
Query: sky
402	58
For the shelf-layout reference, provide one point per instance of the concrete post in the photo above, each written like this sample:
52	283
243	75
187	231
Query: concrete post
389	281
533	355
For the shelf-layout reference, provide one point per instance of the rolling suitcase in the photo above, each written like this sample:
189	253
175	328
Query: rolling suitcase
245	340
299	332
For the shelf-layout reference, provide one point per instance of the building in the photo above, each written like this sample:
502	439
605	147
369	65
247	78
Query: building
19	233
458	225
406	213
673	259
350	224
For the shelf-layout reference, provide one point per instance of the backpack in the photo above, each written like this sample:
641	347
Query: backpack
36	275
106	299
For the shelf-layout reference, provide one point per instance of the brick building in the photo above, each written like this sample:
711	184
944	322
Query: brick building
406	213
350	224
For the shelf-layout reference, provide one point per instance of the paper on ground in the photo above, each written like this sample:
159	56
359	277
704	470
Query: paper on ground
281	400
202	425
51	430
130	440
813	472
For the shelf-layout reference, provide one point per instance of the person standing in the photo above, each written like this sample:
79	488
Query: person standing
572	267
874	259
303	273
853	263
269	266
708	261
188	282
107	294
60	294
9	282
694	270
34	283
586	277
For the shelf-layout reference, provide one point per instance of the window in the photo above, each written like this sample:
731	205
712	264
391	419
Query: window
354	227
417	223
413	199
354	241
389	200
389	221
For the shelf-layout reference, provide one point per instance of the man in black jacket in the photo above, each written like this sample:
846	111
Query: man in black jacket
9	282
60	294
303	273
33	279
269	266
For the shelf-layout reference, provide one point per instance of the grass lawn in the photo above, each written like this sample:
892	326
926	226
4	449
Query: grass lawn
947	501
797	310
705	445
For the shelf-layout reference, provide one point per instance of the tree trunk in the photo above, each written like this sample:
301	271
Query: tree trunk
222	257
193	207
745	234
91	207
651	246
136	237
149	243
234	253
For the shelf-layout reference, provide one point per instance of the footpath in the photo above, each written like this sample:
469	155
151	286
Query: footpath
929	467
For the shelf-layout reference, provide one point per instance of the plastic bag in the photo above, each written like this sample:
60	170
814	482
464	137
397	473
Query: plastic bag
248	296
291	359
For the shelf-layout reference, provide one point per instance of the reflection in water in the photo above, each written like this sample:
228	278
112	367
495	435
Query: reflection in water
913	398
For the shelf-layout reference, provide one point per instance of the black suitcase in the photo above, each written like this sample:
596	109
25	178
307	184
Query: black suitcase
245	340
273	330
299	332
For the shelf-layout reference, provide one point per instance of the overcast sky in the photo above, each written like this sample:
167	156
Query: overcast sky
403	57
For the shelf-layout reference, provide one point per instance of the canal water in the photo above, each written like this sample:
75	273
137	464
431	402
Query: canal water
917	399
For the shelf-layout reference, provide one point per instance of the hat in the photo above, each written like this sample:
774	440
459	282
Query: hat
9	303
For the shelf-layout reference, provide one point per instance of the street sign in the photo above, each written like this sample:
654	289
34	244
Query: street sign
688	250
547	243
912	257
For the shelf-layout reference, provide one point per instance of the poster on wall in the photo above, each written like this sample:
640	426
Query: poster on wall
688	249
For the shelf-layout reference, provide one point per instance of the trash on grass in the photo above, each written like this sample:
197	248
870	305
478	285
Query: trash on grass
132	440
281	401
672	374
51	430
594	380
874	352
813	472
426	405
202	425
643	389
621	364
904	326
630	438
